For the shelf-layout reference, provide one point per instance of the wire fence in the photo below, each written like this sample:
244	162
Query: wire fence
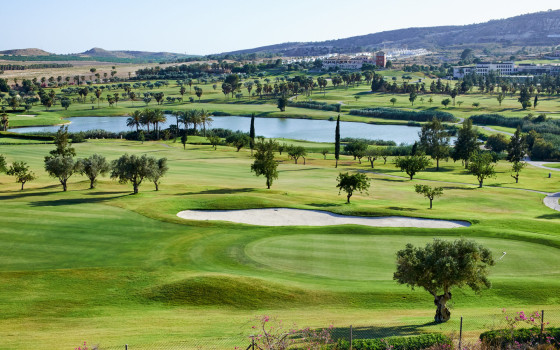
464	331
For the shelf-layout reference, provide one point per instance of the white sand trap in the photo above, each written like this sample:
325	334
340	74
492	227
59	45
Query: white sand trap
299	217
26	115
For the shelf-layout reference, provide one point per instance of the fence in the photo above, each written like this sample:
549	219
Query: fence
464	331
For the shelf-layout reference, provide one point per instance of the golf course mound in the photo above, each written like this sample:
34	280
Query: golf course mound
237	292
301	217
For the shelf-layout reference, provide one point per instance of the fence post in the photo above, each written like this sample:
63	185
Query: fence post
125	346
542	326
461	333
350	337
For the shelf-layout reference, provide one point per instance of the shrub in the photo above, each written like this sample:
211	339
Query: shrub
504	337
369	142
418	342
316	105
398	114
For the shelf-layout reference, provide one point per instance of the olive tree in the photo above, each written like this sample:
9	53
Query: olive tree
264	163
92	167
412	164
158	170
442	265
481	166
296	152
214	140
350	183
516	168
62	168
429	192
238	140
21	172
133	169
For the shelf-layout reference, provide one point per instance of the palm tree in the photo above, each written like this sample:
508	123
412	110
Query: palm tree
134	119
177	115
145	119
159	117
194	116
98	94
205	119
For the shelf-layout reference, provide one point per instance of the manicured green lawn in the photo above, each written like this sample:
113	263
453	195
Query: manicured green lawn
113	268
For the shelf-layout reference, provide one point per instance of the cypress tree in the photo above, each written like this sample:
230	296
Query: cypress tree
536	101
337	141
252	132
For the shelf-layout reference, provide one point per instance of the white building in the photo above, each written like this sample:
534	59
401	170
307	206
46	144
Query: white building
483	68
355	62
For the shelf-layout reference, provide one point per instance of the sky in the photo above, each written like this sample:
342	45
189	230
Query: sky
214	26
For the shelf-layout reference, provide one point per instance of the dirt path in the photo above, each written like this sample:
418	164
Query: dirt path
300	217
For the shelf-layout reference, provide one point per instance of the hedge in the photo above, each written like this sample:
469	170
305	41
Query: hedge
399	114
369	142
418	342
504	337
16	135
316	105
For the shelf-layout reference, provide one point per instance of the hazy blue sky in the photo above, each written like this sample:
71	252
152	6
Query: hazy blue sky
202	27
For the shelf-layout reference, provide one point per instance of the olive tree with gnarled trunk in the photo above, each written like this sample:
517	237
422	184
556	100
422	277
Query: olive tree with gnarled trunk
442	265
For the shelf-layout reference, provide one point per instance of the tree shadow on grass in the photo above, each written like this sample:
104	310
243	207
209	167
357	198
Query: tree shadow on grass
460	188
442	169
73	201
402	209
222	191
549	216
104	193
282	171
393	179
323	205
23	194
373	332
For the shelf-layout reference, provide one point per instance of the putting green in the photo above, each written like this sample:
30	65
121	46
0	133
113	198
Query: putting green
360	257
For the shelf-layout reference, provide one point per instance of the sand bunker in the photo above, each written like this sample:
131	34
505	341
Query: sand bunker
299	217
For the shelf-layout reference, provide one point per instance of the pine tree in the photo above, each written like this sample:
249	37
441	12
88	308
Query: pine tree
466	143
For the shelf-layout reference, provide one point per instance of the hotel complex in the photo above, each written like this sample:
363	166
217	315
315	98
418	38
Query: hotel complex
505	69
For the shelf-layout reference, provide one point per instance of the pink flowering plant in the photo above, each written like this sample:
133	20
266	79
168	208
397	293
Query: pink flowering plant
85	347
525	329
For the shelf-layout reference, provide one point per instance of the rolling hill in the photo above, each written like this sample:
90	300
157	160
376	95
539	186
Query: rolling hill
535	29
26	52
99	52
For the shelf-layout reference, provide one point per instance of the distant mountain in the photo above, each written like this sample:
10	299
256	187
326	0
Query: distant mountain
535	29
143	55
26	52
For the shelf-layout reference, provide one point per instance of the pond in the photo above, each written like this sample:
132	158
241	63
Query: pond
297	129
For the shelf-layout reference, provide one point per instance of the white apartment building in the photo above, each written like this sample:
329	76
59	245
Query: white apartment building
355	62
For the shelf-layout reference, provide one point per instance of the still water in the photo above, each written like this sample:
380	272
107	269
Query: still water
298	129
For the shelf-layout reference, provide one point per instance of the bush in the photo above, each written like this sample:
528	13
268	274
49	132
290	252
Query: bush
504	337
369	142
418	342
316	105
398	114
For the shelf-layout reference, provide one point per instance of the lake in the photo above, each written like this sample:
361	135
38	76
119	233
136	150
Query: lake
297	129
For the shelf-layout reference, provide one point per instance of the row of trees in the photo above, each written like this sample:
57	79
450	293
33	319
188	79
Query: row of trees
61	164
